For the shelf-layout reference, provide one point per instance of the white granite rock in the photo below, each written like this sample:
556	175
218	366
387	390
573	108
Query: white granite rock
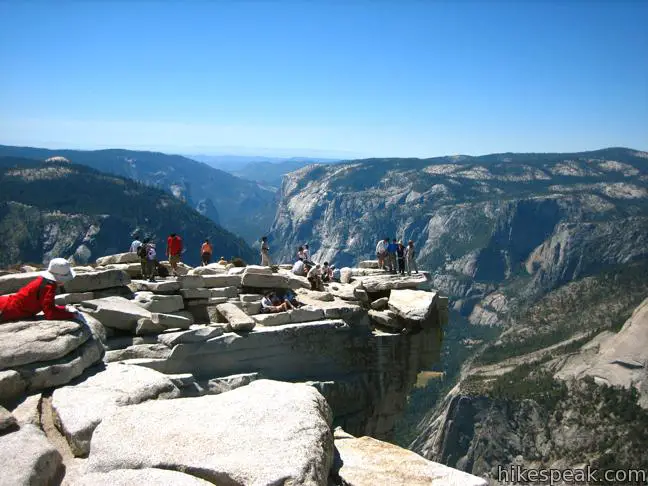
225	280
237	319
159	303
418	307
116	312
65	299
88	282
118	258
265	433
28	458
143	477
191	282
81	407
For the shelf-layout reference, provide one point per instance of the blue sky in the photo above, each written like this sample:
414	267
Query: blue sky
325	78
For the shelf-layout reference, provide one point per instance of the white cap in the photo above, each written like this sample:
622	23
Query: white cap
59	270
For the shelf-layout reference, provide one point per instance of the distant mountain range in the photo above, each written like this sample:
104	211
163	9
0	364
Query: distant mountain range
266	170
242	206
60	209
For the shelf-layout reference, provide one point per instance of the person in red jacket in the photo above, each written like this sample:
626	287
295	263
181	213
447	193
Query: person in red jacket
174	251
38	295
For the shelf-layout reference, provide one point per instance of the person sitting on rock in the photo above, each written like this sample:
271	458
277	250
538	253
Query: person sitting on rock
298	268
327	273
38	295
222	261
292	298
268	305
300	253
315	278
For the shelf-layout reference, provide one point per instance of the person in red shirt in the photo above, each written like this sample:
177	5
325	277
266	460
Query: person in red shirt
174	252
38	295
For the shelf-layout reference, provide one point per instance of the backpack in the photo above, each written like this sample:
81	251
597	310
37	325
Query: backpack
141	251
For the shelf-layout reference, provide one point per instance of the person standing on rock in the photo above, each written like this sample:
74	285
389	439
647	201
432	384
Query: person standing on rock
410	258
391	253
265	252
142	252
381	252
206	251
135	244
174	252
400	256
327	273
151	261
38	295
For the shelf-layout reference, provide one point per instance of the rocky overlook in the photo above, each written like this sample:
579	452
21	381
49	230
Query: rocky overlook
237	396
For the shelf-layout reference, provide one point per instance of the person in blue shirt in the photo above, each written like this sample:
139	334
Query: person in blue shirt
391	253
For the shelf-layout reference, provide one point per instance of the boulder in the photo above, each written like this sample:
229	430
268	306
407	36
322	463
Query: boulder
118	258
25	342
225	280
48	374
12	386
116	312
229	383
257	269
191	282
380	304
195	335
223	292
186	314
417	307
361	295
196	293
28	458
159	303
345	275
160	322
385	318
8	422
365	461
124	291
87	282
156	351
265	433
369	264
79	408
144	477
264	280
237	319
306	314
158	287
211	269
250	297
251	308
273	319
343	291
65	299
28	411
236	270
122	342
379	283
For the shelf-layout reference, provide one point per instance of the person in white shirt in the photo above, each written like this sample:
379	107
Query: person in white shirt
336	273
268	305
327	273
306	253
298	268
315	278
135	245
381	252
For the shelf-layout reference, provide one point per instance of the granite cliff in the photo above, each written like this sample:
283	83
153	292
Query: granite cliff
236	396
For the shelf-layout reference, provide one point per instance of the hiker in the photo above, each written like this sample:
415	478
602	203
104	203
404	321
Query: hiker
142	251
315	278
265	252
391	253
400	256
306	253
268	305
151	261
299	268
381	252
336	273
292	298
327	273
38	295
222	261
206	253
300	253
174	252
135	244
410	258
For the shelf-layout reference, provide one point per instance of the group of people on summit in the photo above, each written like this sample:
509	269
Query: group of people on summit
393	257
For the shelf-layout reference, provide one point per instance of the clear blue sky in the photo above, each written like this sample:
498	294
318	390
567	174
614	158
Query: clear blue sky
325	78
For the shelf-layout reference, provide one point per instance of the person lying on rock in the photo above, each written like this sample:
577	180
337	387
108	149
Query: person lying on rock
269	304
38	295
